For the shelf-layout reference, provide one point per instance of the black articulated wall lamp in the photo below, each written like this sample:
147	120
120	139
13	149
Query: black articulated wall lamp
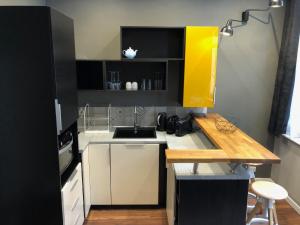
227	30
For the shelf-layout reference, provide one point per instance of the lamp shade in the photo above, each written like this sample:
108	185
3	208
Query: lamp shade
276	3
227	30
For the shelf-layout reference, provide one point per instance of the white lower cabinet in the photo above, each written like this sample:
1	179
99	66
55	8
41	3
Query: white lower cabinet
99	163
86	181
134	174
72	199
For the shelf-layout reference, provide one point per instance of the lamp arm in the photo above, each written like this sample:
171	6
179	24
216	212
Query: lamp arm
257	10
239	21
230	22
262	21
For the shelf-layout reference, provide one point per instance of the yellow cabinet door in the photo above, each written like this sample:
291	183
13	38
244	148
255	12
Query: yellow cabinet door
201	49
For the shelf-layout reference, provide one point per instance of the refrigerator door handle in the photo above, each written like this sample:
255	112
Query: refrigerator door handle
58	116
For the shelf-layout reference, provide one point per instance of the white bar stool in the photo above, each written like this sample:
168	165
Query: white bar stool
252	169
251	196
267	193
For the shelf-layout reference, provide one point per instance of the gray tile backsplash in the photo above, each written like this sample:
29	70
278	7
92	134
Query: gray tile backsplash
98	118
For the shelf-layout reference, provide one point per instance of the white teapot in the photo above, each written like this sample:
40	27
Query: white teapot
129	53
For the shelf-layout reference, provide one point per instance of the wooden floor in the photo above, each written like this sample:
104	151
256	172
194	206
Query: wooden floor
128	217
286	216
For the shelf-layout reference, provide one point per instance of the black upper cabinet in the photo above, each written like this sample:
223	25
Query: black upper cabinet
64	67
154	42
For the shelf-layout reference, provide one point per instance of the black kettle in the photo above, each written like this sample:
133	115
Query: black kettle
161	121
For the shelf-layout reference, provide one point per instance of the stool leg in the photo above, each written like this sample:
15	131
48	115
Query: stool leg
252	195
252	199
271	220
275	215
253	212
258	220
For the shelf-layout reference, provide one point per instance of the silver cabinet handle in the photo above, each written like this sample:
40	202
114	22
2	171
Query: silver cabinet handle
77	218
134	145
58	116
72	175
75	204
74	185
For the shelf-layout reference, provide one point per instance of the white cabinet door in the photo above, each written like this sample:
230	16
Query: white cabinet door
134	174
99	158
86	181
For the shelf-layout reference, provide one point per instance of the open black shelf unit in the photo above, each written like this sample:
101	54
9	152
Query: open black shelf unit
136	71
94	74
154	42
160	56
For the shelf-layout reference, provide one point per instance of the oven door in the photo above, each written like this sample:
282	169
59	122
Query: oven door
65	156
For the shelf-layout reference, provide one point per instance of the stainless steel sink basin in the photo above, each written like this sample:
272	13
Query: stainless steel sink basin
130	132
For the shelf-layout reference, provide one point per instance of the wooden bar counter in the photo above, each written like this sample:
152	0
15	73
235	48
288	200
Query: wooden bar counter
236	147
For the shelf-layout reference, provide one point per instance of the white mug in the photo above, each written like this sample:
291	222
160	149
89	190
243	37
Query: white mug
134	86
128	86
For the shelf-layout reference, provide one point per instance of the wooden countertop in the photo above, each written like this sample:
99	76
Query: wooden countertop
235	147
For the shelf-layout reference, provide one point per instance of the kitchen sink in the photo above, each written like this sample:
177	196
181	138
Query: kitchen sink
130	132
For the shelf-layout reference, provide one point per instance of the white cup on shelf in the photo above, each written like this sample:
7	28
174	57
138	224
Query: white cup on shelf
134	86
128	86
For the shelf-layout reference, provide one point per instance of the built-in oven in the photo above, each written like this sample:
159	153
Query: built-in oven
66	154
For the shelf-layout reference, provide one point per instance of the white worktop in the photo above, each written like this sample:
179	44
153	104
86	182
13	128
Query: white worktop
196	140
107	138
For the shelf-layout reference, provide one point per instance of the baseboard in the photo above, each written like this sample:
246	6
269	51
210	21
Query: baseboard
289	200
293	204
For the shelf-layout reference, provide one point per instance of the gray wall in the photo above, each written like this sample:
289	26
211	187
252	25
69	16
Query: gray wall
247	62
287	172
22	2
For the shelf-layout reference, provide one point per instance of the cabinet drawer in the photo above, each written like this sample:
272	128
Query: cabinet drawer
73	181
77	212
79	220
72	188
72	198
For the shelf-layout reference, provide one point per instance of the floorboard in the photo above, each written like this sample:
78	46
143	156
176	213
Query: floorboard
286	216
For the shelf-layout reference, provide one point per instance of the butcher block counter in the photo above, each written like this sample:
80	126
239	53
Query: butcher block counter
210	186
236	147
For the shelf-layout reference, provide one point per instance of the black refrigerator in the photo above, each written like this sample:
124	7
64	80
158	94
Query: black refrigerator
38	102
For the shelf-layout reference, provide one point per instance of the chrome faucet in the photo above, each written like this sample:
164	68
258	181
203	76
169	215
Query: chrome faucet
135	115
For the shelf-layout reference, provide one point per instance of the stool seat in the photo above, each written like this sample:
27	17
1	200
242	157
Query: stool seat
269	190
254	164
